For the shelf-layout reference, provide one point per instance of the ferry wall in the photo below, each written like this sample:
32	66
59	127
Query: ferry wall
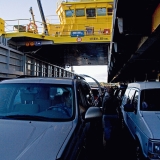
14	63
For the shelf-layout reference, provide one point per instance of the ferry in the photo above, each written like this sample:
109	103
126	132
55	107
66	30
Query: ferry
81	21
43	48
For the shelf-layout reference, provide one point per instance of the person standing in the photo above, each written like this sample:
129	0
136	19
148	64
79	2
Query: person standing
110	116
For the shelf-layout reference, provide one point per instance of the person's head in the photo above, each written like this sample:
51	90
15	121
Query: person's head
66	97
110	90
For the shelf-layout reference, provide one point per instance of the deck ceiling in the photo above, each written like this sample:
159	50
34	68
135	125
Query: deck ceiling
135	51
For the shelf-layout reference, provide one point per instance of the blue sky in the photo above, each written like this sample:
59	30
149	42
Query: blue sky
19	9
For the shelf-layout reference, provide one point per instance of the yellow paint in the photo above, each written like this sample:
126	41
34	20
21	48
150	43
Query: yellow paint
97	27
63	39
68	24
1	25
156	18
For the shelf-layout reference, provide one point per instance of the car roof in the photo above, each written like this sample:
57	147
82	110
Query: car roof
145	85
47	80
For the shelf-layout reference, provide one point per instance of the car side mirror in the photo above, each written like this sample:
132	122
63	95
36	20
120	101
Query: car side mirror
128	107
93	113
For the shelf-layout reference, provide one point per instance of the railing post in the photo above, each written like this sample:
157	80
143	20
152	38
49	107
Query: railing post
18	25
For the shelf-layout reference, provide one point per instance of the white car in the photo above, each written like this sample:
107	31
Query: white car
141	114
46	118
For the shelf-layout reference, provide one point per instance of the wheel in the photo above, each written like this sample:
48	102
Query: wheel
139	154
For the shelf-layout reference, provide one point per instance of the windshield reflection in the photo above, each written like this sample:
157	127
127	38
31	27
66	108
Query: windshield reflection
44	102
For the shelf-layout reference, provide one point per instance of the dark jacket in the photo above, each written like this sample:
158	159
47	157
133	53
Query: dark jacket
109	104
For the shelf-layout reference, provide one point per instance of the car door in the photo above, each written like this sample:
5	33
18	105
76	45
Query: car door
124	101
82	127
129	102
133	117
94	128
92	131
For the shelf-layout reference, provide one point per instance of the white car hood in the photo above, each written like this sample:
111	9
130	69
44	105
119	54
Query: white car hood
32	140
152	119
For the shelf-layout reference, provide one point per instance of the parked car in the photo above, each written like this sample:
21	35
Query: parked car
97	90
47	118
141	113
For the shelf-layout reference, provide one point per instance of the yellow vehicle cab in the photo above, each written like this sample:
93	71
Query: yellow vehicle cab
81	21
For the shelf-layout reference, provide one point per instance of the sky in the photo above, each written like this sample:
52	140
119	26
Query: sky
19	9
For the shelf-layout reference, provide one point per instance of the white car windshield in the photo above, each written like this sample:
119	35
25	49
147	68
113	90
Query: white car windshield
40	102
150	100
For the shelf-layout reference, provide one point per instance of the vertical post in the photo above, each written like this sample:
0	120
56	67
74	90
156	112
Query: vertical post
42	16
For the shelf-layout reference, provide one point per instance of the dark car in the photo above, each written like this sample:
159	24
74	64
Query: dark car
97	90
47	118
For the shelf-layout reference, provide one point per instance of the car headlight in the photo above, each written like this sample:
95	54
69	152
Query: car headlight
154	149
154	146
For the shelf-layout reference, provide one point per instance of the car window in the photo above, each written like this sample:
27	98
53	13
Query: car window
88	94
150	100
130	96
5	98
125	96
37	101
121	94
135	100
81	101
116	92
